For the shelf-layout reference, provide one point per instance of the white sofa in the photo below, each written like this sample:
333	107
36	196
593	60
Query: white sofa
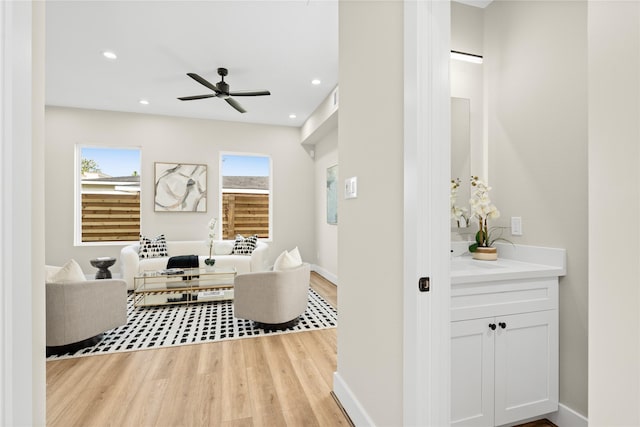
131	264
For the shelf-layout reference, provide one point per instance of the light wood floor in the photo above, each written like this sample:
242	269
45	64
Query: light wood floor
282	380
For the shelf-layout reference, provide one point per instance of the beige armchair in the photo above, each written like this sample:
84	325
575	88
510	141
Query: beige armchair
272	299
77	311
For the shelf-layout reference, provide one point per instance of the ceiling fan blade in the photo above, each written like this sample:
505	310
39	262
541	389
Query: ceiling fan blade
235	105
250	93
190	98
203	82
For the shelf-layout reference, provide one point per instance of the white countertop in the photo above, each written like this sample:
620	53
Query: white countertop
514	262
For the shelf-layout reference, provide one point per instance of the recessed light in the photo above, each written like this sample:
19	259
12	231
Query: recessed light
315	82
144	102
109	55
292	116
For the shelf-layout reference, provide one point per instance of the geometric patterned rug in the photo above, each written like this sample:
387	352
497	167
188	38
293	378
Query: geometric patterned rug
173	325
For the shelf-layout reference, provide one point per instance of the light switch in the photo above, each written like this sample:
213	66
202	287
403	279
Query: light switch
351	187
516	226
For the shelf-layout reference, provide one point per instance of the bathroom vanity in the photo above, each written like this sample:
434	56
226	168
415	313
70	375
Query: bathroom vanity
504	335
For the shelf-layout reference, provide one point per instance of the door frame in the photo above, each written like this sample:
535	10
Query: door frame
427	104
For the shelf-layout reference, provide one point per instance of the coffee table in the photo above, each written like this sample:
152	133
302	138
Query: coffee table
183	286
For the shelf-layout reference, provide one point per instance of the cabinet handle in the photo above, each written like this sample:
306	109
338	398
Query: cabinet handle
492	326
502	325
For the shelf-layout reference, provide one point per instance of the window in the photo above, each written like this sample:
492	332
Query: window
107	195
246	195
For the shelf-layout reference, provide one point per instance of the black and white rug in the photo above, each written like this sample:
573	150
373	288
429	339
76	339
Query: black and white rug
168	326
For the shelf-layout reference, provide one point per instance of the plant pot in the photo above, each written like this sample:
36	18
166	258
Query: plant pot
485	254
210	263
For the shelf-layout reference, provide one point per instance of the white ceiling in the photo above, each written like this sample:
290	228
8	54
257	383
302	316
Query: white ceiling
275	45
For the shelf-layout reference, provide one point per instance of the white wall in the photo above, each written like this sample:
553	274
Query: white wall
171	139
614	209
535	61
370	241
326	235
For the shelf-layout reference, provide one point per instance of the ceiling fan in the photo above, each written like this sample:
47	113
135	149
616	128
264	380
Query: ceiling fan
221	90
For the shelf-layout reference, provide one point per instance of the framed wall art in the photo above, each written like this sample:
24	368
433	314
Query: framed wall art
332	195
180	187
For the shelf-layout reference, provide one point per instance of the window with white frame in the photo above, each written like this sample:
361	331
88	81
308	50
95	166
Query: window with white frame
107	194
246	195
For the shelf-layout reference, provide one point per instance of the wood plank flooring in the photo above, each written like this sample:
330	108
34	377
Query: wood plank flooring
282	380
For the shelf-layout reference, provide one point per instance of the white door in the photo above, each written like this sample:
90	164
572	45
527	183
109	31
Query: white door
472	372
526	365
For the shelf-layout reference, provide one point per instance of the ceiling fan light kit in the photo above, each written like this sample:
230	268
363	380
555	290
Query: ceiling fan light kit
221	90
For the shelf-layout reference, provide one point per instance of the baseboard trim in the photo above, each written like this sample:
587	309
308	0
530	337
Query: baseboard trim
325	273
567	417
349	402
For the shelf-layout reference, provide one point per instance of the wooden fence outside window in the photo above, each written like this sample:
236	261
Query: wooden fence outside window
110	217
246	214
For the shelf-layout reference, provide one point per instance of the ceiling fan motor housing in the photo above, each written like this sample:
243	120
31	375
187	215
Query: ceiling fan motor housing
223	87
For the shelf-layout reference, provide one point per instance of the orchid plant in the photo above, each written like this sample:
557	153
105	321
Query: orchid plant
483	210
210	239
459	214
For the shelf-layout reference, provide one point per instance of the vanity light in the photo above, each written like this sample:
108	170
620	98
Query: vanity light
109	55
468	57
315	82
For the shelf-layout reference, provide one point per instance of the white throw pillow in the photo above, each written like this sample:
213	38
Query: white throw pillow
70	272
223	248
295	253
287	260
50	271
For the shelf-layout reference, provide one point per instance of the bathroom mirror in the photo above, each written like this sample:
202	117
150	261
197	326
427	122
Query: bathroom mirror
461	148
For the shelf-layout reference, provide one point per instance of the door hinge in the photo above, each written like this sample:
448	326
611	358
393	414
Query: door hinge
423	284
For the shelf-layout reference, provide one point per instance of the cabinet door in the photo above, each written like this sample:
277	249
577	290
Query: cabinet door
472	350
526	365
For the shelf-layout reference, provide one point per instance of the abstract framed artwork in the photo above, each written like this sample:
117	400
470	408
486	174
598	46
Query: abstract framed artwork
332	195
180	187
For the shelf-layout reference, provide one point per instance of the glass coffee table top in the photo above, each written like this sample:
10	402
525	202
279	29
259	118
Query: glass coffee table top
183	286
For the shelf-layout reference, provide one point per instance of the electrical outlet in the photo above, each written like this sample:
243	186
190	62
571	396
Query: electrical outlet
516	226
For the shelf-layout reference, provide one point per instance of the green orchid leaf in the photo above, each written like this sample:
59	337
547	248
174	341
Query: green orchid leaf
473	248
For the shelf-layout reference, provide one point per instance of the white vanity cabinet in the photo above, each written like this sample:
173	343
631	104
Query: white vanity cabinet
504	351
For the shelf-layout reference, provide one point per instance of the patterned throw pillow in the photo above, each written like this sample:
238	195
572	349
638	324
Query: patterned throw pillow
153	248
244	246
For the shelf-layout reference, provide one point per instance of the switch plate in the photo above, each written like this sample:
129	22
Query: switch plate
516	226
351	187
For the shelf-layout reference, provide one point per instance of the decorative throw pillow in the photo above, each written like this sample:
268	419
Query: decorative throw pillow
287	260
153	248
50	271
244	246
295	253
70	272
224	247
